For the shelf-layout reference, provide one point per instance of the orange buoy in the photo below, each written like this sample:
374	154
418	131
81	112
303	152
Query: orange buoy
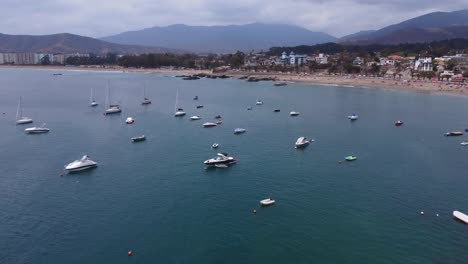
130	253
254	211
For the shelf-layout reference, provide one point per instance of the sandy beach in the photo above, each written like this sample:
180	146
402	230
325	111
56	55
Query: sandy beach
344	81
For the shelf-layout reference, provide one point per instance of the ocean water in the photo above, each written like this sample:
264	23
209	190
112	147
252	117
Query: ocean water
157	199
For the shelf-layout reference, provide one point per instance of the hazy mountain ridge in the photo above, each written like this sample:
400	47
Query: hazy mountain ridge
68	43
222	39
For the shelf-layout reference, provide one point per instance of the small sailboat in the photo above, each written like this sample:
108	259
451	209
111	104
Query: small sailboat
209	124
20	119
259	102
178	111
145	101
353	117
112	108
195	117
294	113
37	130
93	102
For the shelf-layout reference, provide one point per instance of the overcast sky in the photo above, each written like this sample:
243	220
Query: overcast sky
98	18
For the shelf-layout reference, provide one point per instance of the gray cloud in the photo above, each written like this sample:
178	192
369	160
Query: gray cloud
100	18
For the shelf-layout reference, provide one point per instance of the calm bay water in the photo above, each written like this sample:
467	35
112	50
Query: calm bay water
157	199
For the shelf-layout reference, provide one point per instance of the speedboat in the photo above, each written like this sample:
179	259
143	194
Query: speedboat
209	124
398	123
259	102
454	133
215	145
81	164
199	106
114	109
179	112
294	113
129	120
37	130
239	130
219	122
464	143
139	138
195	117
353	117
221	158
460	216
267	201
146	101
276	110
218	117
302	142
351	158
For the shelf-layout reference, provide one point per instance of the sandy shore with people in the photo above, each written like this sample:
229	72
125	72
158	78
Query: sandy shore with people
321	78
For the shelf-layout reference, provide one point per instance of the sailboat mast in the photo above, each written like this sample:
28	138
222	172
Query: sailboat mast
176	100
19	111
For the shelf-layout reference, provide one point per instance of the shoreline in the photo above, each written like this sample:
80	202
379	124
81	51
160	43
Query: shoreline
320	79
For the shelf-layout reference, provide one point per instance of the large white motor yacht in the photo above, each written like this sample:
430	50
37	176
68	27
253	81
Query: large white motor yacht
222	158
81	164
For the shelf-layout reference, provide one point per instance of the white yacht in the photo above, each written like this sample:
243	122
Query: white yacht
178	111
464	143
195	117
209	124
294	113
239	130
215	145
302	142
20	119
353	117
37	130
81	164
222	158
145	101
259	102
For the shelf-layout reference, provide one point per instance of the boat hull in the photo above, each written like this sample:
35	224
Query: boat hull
82	168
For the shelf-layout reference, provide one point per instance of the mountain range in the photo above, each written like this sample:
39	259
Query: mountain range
222	39
69	43
429	27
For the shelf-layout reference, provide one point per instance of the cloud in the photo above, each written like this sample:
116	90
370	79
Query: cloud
99	18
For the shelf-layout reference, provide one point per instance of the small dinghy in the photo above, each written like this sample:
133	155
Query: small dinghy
302	142
398	123
259	102
249	108
454	133
219	122
199	106
353	117
218	117
464	143
276	110
280	84
195	117
129	120
351	158
215	145
267	201
460	216
294	113
239	130
139	138
196	97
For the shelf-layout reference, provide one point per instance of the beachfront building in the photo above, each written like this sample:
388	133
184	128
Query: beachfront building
358	61
292	59
423	64
321	58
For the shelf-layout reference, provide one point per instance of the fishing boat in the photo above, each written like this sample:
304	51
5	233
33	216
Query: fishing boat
145	101
454	133
464	143
93	102
178	111
37	130
82	164
460	216
112	108
209	124
195	117
294	113
138	138
215	145
353	117
239	130
129	120
398	123
302	142
221	158
20	119
351	158
267	201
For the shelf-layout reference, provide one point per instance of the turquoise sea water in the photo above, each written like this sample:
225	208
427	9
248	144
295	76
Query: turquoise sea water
156	198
